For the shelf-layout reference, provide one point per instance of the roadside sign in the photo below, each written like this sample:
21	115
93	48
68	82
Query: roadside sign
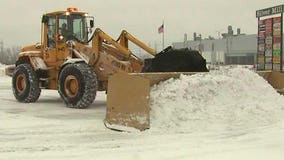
269	41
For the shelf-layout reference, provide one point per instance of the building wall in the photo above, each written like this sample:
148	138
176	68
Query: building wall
239	49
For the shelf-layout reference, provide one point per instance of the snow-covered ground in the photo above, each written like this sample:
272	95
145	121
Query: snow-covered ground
228	114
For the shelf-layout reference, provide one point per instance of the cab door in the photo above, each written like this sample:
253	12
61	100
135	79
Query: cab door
49	51
49	42
63	29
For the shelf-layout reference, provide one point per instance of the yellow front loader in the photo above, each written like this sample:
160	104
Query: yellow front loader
73	59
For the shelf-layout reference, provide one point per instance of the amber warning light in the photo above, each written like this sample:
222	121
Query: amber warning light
72	9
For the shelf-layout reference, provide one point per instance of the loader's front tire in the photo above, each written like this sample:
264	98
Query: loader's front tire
77	85
25	84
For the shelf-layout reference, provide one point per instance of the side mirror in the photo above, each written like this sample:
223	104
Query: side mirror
44	19
91	23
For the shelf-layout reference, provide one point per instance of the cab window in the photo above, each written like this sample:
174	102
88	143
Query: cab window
51	32
73	26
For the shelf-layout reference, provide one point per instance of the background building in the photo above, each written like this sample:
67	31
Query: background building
230	49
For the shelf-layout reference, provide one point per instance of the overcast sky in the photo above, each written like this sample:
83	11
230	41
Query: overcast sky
21	18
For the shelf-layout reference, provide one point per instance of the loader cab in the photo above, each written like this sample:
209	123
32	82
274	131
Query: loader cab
70	24
61	26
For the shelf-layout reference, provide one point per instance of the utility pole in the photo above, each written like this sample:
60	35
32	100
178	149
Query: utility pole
185	41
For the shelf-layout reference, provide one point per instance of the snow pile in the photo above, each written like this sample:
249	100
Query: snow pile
227	99
2	69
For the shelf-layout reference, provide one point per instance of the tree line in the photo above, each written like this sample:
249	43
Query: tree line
9	55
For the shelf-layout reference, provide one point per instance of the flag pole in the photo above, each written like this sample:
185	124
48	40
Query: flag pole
163	36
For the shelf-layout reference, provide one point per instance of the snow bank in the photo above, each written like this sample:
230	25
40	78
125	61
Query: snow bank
227	99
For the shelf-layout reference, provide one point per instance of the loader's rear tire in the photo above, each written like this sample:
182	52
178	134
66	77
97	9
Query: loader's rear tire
77	85
25	84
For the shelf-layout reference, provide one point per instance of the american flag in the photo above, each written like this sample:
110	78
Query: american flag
161	29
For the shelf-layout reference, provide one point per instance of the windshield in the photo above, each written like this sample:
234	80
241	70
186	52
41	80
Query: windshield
73	26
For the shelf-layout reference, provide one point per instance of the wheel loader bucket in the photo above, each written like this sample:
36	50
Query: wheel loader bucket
275	79
128	99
